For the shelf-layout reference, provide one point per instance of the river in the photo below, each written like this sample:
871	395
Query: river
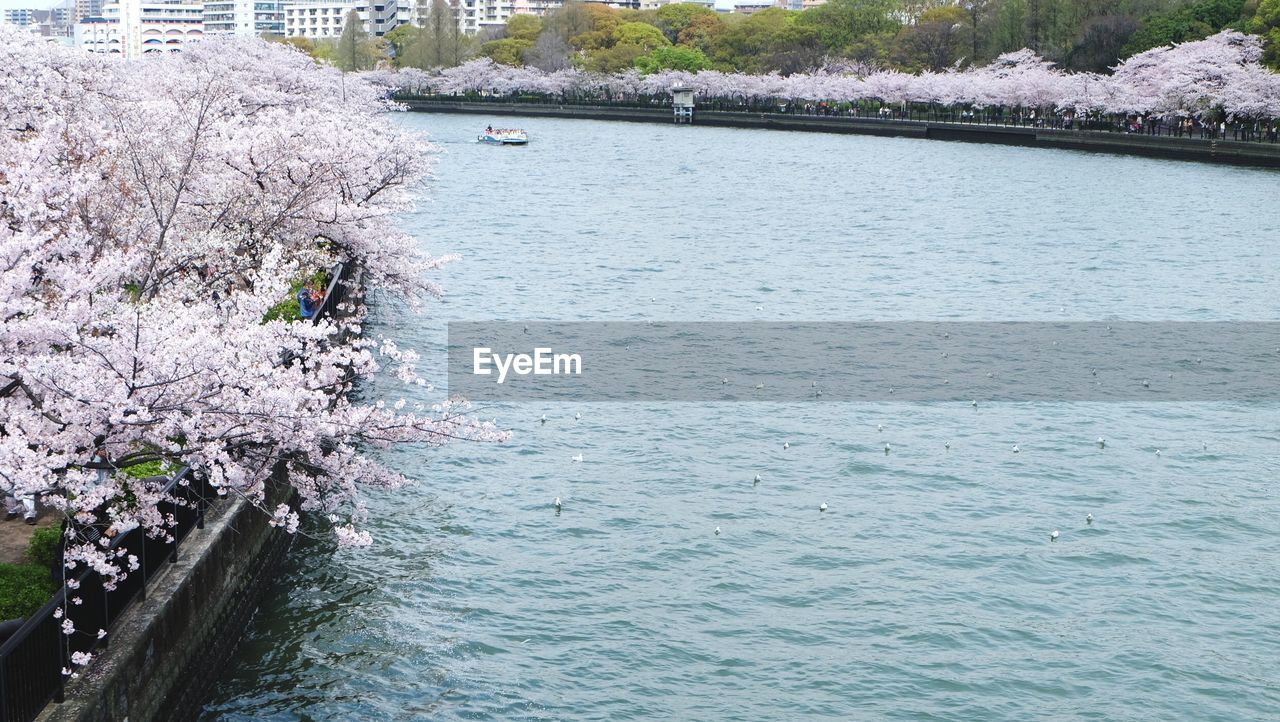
929	589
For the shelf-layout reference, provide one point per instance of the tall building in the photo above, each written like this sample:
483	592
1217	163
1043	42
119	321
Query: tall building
129	28
21	17
325	18
87	9
244	17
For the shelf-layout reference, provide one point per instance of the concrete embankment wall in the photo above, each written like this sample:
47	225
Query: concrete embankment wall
1265	155
167	650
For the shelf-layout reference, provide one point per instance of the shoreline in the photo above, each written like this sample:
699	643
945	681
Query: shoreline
1229	152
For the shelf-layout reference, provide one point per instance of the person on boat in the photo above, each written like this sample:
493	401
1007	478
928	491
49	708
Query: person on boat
489	130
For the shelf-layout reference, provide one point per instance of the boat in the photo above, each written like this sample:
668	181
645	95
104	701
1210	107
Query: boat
504	136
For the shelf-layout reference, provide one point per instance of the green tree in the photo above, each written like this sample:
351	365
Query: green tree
934	42
1193	22
672	58
675	18
641	35
354	50
524	27
769	40
507	51
843	23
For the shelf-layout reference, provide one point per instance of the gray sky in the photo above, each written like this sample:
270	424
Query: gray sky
33	4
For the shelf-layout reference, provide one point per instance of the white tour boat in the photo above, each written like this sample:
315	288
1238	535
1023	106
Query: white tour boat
504	136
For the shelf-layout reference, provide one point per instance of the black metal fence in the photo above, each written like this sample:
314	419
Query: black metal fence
335	293
33	660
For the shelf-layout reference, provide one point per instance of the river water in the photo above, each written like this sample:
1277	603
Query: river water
929	588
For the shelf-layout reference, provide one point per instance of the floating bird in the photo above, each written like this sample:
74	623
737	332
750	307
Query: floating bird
759	308
759	386
526	329
822	506
557	503
879	427
1204	446
1102	443
757	480
576	457
886	449
974	403
947	446
1088	519
717	531
652	299
890	389
785	446
1146	383
577	416
1016	449
1157	452
724	381
990	375
1054	535
813	384
543	419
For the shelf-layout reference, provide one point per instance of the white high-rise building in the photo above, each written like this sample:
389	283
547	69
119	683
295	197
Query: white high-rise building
129	28
244	17
325	18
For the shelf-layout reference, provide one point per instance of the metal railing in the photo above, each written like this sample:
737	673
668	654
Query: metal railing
33	659
335	293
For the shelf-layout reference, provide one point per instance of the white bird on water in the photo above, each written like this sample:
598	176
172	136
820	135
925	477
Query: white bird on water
759	386
1054	535
557	503
577	416
1016	449
822	506
879	428
717	531
974	403
576	457
947	446
543	420
757	479
724	381
886	449
1102	443
759	308
1157	452
1146	383
785	446
1089	519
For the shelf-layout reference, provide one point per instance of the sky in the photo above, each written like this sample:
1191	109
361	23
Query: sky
33	4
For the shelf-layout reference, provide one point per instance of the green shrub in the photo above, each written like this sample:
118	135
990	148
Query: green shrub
287	309
42	550
24	589
150	468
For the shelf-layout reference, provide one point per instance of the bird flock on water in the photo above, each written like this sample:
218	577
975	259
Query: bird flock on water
1054	535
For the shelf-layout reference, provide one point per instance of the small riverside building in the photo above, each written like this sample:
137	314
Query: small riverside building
682	103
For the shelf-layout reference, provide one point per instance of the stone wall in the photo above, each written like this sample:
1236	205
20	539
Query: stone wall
1211	151
166	651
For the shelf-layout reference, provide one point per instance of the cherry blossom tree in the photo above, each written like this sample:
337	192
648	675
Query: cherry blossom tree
1220	73
152	214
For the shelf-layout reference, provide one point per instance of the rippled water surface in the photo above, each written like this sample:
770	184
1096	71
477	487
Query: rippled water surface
929	589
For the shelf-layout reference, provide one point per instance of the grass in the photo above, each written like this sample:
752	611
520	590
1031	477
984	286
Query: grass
24	588
150	468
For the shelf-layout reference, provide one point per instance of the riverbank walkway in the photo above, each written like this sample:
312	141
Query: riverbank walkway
1257	153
